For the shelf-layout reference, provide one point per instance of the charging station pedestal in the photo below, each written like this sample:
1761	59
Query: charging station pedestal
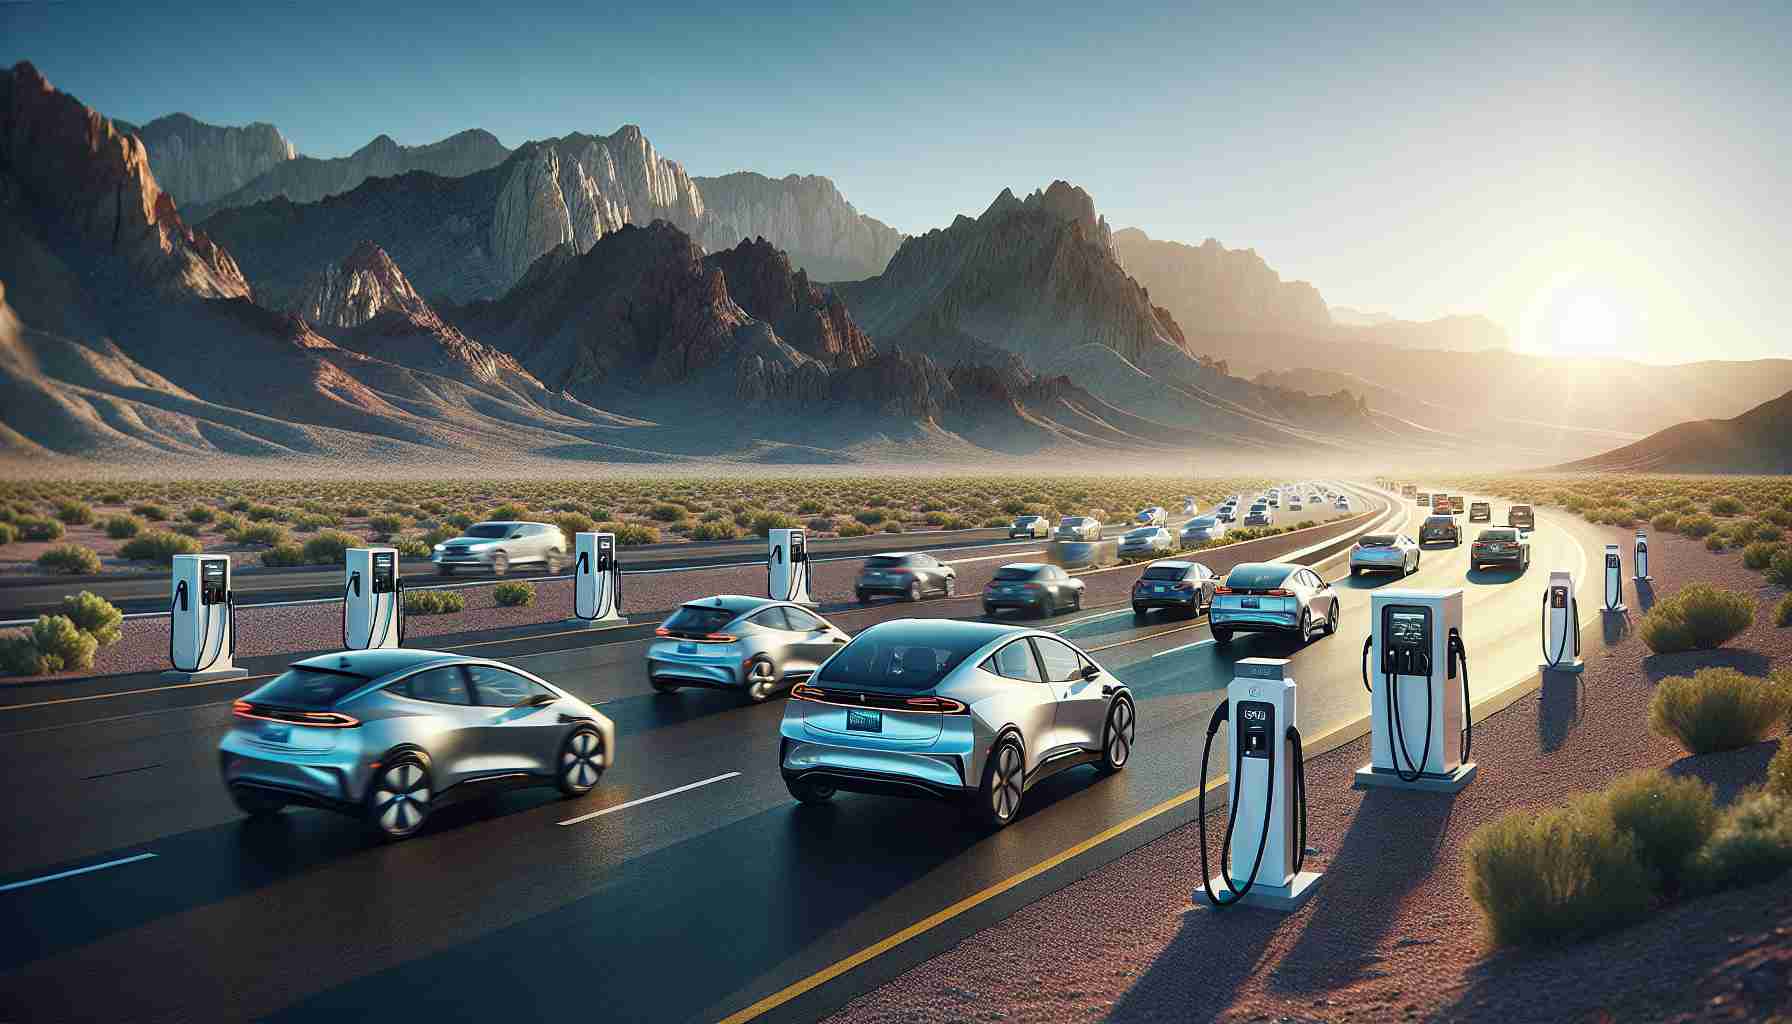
787	567
1190	506
201	620
1416	704
1642	560
372	600
1614	580
1263	707
1561	625
596	580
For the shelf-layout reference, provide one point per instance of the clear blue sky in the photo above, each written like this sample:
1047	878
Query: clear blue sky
1604	179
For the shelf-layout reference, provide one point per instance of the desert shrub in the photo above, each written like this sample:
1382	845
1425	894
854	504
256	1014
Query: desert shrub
514	595
261	533
57	636
853	530
667	513
508	510
240	505
311	522
810	507
439	535
386	525
1716	542
158	546
411	547
1719	708
150	511
1759	555
20	657
820	524
7	533
1782	612
459	520
74	513
1697	526
1752	844
94	615
869	516
935	518
1768	532
1014	506
1669	817
283	554
1665	522
1779	771
714	531
1304	523
70	560
201	514
1780	569
1698	618
1558	874
357	511
39	528
631	534
765	522
329	547
123	527
1726	506
433	602
571	523
229	524
188	529
263	513
892	527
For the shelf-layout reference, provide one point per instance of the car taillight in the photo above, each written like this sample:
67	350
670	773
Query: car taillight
1222	590
802	691
315	719
936	705
720	638
1278	592
662	631
1183	586
1033	586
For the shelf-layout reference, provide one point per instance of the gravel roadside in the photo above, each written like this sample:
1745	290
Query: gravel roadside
1391	933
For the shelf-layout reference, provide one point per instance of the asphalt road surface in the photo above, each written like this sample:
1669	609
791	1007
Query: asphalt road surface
718	896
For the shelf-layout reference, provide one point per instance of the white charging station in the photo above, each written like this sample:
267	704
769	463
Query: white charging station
1190	506
596	580
1266	819
787	566
372	600
1418	703
1561	625
201	620
1642	558
1614	580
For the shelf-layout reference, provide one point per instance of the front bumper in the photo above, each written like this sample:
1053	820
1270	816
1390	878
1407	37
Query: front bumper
461	557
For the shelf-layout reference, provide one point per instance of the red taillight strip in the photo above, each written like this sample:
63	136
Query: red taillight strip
316	719
924	705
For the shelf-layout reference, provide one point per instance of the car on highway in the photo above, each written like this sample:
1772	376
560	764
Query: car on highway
971	712
1078	528
1259	515
499	544
1146	541
1185	586
1202	529
1457	505
1259	597
1294	504
753	646
1384	552
1503	546
1422	500
1480	512
1520	517
1156	515
1440	503
390	735
1439	528
907	574
1037	587
1342	504
1030	526
1226	513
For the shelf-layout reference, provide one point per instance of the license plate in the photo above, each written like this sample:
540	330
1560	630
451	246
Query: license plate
687	648
1160	589
272	733
1249	602
865	721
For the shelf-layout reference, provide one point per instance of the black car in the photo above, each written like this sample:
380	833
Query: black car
909	574
1440	528
1480	512
1034	586
1520	517
1186	586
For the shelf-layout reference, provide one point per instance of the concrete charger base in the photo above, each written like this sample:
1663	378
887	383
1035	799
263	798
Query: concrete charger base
601	623
1621	609
1386	778
1571	667
1281	898
177	676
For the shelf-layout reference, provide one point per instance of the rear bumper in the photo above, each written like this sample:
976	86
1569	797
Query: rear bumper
1258	622
693	673
1513	558
1379	564
881	587
879	772
334	780
1188	600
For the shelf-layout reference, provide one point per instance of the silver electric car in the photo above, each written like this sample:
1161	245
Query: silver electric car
389	735
498	545
1078	528
1155	515
1201	529
1385	552
1146	542
910	575
752	645
1034	527
958	710
1262	597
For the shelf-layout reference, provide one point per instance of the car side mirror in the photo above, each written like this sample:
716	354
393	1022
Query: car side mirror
540	700
1091	672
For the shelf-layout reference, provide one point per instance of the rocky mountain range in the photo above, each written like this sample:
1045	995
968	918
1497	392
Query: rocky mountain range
1757	441
1212	288
196	162
804	215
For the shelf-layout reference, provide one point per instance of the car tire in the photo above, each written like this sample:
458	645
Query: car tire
1331	621
809	792
255	803
951	586
988	612
660	686
581	761
1138	612
444	570
1222	636
761	682
1004	783
914	591
398	798
1117	736
1306	626
500	564
1355	572
863	597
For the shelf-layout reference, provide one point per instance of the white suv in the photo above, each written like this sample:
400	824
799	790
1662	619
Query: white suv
498	545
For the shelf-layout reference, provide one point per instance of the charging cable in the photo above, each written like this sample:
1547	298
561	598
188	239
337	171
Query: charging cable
1411	773
1460	653
200	664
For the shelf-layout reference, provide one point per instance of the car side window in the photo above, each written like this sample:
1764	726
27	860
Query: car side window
770	618
495	687
1015	661
802	621
445	685
1061	663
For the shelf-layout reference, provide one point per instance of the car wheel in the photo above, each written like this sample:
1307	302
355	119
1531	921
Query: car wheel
1138	611
398	800
553	561
1222	636
1331	621
863	597
1076	601
1306	626
1117	737
988	612
809	792
1004	779
951	586
444	570
762	681
500	564
660	686
1355	572
255	803
914	590
581	761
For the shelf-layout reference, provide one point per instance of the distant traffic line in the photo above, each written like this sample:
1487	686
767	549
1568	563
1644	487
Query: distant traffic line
41	879
650	799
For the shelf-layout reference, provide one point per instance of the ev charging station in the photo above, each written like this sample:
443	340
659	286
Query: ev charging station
1266	822
1614	580
596	580
1561	625
1420	731
201	620
1642	558
1189	505
787	567
372	600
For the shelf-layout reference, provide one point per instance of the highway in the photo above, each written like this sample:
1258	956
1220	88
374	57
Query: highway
703	892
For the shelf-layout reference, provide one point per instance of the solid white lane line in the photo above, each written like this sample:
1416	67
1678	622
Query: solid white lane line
8	887
994	558
1184	647
649	799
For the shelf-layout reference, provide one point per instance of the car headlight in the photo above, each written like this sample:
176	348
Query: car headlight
437	549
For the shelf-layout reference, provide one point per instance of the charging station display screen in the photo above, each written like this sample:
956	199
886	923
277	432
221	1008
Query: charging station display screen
606	553
385	571
796	548
1611	561
1558	597
1407	630
211	581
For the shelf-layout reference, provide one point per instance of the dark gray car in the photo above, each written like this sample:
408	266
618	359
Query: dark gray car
907	574
1038	587
1185	586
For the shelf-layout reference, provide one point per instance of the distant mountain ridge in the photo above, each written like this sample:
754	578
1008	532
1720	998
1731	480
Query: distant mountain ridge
196	162
1757	441
804	215
1212	288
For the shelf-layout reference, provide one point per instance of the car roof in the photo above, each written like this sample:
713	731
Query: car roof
376	663
1440	519
1171	564
1023	565
736	603
945	629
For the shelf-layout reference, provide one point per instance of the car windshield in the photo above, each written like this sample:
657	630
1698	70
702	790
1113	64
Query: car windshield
1259	508
1199	524
1378	540
1165	572
1439	521
1258	577
697	620
1015	573
1498	535
906	660
312	688
487	530
1141	533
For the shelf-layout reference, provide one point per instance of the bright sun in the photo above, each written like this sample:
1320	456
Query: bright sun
1588	325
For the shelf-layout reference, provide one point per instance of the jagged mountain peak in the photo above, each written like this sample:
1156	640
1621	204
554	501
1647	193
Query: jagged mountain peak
363	286
760	277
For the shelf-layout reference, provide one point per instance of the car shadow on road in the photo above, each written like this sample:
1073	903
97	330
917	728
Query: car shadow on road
1494	577
1370	581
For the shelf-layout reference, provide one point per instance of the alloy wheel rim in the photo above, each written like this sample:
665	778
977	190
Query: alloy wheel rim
1006	795
1121	735
582	762
402	798
762	679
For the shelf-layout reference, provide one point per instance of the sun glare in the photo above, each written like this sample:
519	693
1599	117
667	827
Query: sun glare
1588	325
